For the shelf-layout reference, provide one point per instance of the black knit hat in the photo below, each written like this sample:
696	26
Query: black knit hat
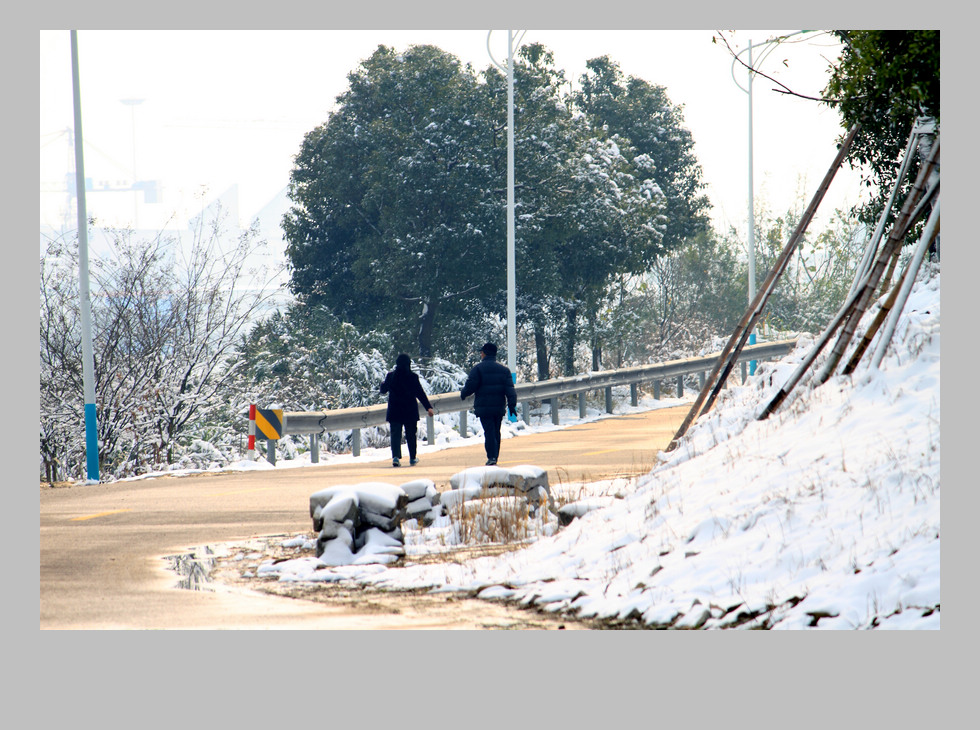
489	349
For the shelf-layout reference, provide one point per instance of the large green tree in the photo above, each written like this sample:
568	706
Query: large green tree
584	212
642	113
391	220
885	80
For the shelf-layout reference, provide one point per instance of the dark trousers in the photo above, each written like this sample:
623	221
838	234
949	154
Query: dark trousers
491	434
411	435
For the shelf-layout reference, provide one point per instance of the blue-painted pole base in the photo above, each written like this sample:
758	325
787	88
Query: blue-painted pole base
752	362
91	443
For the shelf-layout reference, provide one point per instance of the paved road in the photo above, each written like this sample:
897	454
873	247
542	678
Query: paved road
103	547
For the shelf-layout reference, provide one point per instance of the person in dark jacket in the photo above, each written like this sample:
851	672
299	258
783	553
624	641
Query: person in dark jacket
403	389
493	386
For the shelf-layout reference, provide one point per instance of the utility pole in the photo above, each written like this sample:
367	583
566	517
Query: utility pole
769	45
88	360
511	264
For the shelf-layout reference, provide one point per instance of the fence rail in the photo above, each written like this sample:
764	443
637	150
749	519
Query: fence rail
316	423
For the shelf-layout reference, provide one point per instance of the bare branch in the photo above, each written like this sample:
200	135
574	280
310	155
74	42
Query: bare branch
784	89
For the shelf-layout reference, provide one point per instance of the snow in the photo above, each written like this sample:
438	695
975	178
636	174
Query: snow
824	516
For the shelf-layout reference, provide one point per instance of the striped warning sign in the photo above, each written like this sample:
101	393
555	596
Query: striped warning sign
268	423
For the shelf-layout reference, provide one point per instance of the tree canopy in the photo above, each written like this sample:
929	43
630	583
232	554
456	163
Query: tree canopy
399	199
391	215
885	80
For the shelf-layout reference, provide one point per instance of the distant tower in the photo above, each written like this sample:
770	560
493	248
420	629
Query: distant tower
132	104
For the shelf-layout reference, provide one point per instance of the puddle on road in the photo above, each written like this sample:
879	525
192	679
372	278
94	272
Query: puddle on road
194	569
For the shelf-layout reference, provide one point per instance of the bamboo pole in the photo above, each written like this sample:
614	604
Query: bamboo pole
848	307
862	345
928	236
892	245
887	305
737	341
797	374
872	248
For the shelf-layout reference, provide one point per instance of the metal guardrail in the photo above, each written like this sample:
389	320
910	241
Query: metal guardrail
315	423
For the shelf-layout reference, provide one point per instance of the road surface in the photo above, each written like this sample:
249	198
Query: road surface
104	548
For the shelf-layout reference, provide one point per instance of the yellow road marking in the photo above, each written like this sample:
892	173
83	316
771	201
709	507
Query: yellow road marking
604	451
100	514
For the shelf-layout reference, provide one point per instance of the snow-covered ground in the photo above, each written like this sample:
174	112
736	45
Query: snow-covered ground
825	515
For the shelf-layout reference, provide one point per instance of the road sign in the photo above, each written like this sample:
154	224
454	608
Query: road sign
269	423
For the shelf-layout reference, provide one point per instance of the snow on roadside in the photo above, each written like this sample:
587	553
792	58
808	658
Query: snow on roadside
824	515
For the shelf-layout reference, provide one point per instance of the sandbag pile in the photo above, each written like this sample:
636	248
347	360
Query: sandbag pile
361	523
424	501
529	482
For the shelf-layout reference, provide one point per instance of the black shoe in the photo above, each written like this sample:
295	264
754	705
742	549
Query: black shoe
491	462
395	462
413	462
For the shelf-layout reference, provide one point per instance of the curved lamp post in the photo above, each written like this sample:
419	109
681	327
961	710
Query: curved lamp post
88	362
770	45
512	46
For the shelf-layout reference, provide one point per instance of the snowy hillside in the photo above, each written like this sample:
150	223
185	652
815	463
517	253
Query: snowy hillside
825	515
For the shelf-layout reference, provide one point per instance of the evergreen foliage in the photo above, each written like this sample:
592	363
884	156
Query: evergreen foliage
641	112
886	80
392	218
399	199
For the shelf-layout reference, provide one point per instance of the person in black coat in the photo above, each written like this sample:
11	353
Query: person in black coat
493	386
403	389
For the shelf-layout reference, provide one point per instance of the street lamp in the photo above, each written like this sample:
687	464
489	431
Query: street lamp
771	43
88	360
512	45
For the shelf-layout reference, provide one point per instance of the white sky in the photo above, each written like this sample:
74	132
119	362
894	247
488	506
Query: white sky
231	107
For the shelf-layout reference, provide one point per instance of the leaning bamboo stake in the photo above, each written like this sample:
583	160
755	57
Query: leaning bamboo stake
894	243
860	281
807	361
846	310
928	236
790	247
872	249
736	342
887	305
865	341
924	202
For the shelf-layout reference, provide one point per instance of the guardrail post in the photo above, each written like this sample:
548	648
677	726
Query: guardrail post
609	405
581	404
743	373
526	412
680	386
430	429
315	448
634	396
355	441
462	423
701	379
270	451
656	390
251	432
554	410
